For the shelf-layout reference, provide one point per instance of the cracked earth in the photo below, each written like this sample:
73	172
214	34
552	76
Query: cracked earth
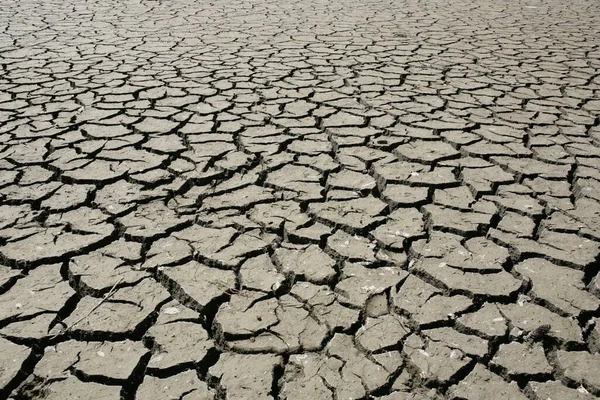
288	200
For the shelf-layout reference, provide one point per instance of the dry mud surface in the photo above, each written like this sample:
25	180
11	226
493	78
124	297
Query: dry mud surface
292	200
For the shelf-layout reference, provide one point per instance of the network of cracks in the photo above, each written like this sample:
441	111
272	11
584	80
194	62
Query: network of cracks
299	200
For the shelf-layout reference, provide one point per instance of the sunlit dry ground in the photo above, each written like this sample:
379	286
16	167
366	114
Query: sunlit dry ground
336	200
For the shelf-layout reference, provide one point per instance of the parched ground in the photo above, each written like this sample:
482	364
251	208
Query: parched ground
290	200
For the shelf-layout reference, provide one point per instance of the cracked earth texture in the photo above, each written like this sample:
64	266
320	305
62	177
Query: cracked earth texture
291	200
